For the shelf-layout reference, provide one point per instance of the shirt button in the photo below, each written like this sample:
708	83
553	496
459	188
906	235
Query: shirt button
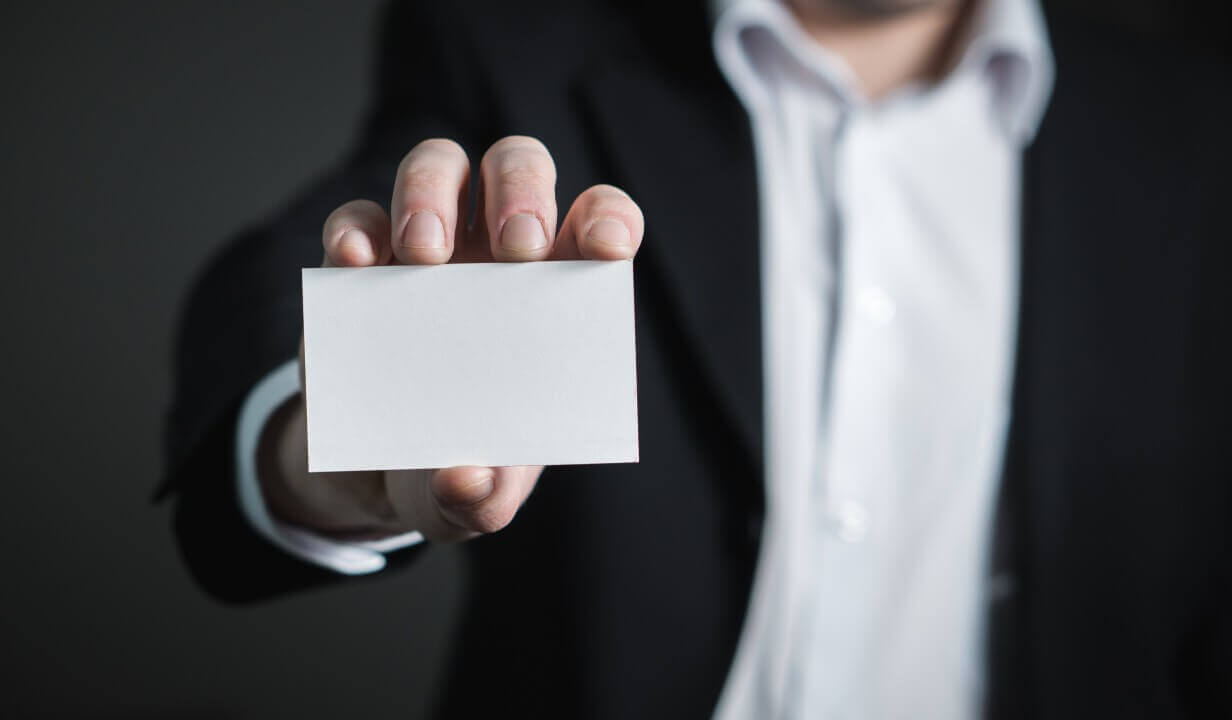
875	304
849	521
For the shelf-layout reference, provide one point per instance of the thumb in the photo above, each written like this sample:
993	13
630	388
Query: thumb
459	503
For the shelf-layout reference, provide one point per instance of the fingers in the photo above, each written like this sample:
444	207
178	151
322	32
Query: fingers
428	202
603	224
481	499
516	219
355	235
461	502
518	199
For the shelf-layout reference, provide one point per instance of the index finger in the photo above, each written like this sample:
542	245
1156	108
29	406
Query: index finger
354	235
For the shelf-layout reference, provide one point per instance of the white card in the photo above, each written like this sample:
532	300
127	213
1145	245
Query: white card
470	364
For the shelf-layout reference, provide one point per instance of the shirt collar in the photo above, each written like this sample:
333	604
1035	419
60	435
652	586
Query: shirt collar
1009	41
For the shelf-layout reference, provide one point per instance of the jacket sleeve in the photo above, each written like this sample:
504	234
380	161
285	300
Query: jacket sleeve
243	315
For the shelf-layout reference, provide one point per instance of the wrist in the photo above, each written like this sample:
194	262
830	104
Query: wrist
342	505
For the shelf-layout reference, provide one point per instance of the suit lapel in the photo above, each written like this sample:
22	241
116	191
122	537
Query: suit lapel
684	151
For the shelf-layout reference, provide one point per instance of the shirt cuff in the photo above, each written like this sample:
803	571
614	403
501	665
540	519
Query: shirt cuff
348	558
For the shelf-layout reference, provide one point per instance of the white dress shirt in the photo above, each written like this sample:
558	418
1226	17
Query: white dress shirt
889	245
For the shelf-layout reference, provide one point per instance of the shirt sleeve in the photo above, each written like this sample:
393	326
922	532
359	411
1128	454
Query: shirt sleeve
348	558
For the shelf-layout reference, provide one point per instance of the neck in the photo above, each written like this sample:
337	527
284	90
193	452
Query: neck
887	52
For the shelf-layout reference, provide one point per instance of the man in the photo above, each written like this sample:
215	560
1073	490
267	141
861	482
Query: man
930	371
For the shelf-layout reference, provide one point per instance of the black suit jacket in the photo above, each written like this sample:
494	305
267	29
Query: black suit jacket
630	582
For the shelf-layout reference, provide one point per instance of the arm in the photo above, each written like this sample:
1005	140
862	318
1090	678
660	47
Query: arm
242	317
244	320
264	407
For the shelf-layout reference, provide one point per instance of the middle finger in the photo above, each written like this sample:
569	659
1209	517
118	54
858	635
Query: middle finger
519	198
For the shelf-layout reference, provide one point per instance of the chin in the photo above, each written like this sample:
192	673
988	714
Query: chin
867	8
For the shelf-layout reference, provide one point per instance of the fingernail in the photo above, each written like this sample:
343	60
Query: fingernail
356	248
424	231
523	233
473	492
608	232
460	495
481	488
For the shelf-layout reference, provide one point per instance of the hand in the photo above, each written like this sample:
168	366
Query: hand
516	222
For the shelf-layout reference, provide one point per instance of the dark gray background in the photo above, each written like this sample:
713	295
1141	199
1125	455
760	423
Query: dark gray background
137	136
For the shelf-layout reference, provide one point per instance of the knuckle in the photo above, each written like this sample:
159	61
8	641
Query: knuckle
424	177
519	158
432	163
609	201
609	206
342	215
522	176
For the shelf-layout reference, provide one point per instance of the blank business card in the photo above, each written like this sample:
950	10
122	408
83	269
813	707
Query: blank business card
470	364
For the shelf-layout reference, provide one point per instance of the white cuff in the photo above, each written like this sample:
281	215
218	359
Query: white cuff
349	558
